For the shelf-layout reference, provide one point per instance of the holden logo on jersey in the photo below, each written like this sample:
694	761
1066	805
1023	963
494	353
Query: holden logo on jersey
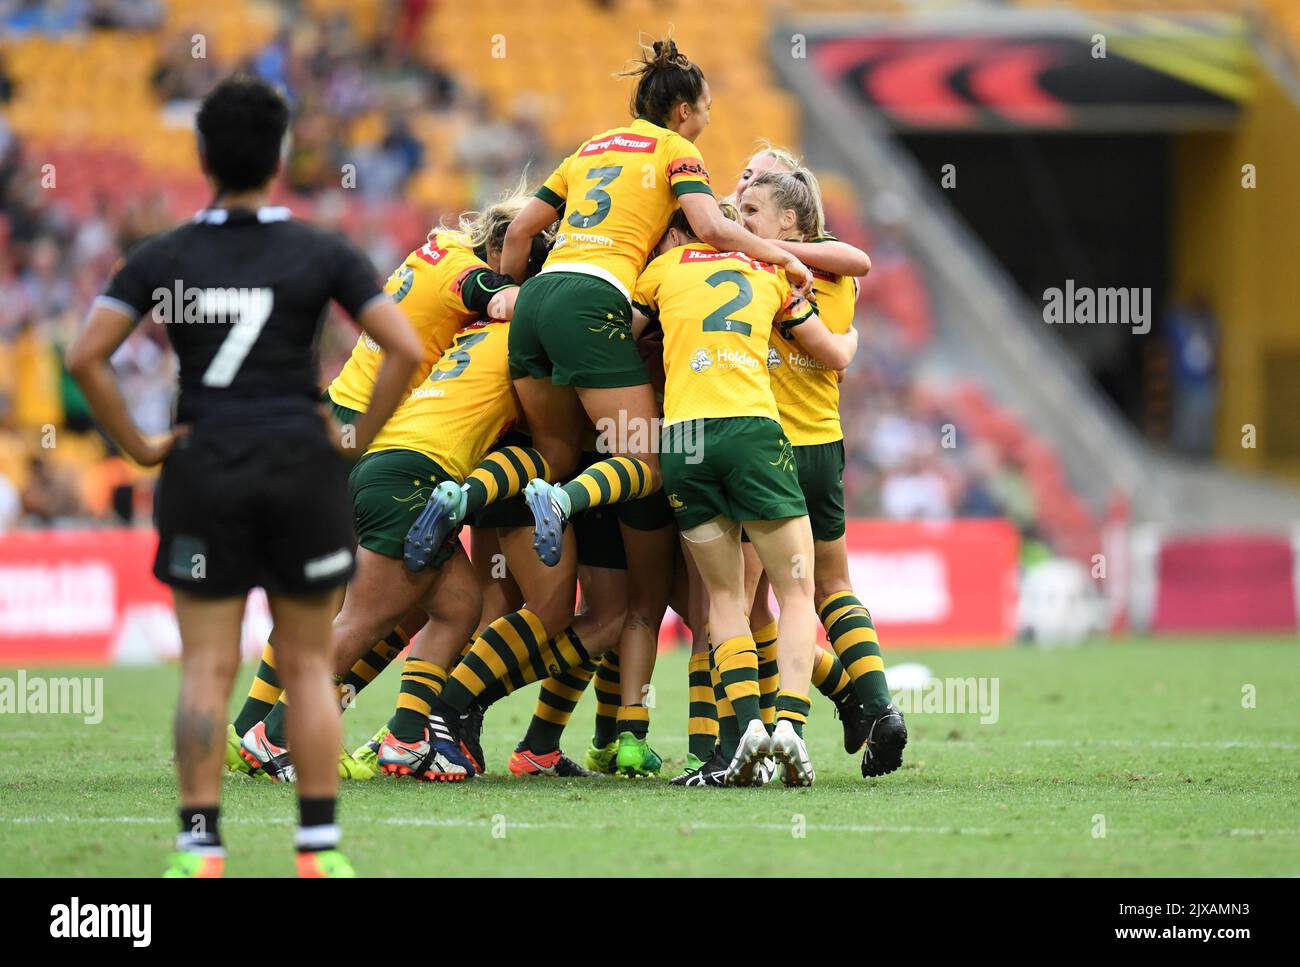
800	361
773	358
701	360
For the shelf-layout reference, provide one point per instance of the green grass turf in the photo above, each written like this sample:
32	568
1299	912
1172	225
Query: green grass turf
1150	735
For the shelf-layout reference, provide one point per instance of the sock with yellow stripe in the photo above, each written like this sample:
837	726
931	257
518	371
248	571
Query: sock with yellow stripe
634	719
853	635
608	685
830	678
502	474
702	728
793	708
608	481
514	643
559	697
262	694
422	681
769	673
728	731
370	665
737	662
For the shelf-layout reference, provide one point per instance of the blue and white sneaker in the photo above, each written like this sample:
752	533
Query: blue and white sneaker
550	506
443	512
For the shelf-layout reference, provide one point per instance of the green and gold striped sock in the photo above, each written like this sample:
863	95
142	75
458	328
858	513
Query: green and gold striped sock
634	719
502	474
829	676
555	704
372	664
422	681
608	699
793	708
702	727
262	694
728	731
509	643
769	673
274	722
608	481
737	662
853	635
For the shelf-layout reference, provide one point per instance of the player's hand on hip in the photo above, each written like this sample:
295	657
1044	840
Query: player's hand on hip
153	450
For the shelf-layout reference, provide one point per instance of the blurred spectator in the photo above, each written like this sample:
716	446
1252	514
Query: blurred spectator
51	491
1193	337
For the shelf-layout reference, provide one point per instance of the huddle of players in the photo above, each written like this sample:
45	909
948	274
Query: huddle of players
644	300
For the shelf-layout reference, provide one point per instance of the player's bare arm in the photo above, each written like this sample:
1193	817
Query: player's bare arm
833	350
832	255
710	225
88	362
535	216
387	326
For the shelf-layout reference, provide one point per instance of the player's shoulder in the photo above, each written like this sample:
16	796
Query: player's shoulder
309	243
639	137
443	248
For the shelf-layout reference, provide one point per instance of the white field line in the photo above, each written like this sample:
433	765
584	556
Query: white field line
1131	744
458	823
453	822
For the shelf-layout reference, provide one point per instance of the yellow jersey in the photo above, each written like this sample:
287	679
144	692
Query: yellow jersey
807	393
717	310
428	288
617	192
462	408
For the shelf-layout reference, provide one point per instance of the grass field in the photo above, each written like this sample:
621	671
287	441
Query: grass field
1150	735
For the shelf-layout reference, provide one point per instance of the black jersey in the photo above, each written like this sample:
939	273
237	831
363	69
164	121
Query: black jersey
243	294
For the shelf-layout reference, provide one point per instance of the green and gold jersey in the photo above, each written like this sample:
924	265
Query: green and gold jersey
807	393
462	408
618	191
429	287
717	310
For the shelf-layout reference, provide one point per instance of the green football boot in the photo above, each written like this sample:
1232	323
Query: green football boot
636	758
600	758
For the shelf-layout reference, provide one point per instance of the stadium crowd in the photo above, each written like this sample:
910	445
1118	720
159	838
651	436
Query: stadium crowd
56	470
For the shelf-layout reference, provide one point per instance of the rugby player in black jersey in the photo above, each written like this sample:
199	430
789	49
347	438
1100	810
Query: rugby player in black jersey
253	490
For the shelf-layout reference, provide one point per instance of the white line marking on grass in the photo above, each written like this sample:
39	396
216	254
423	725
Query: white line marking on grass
1151	744
1264	832
458	822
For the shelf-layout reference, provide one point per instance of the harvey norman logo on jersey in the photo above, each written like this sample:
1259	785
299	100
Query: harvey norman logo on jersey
692	255
620	142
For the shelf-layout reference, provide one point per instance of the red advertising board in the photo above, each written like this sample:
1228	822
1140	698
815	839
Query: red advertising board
89	597
937	584
1226	582
929	585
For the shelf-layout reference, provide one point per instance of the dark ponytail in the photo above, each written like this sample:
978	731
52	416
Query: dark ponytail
666	77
